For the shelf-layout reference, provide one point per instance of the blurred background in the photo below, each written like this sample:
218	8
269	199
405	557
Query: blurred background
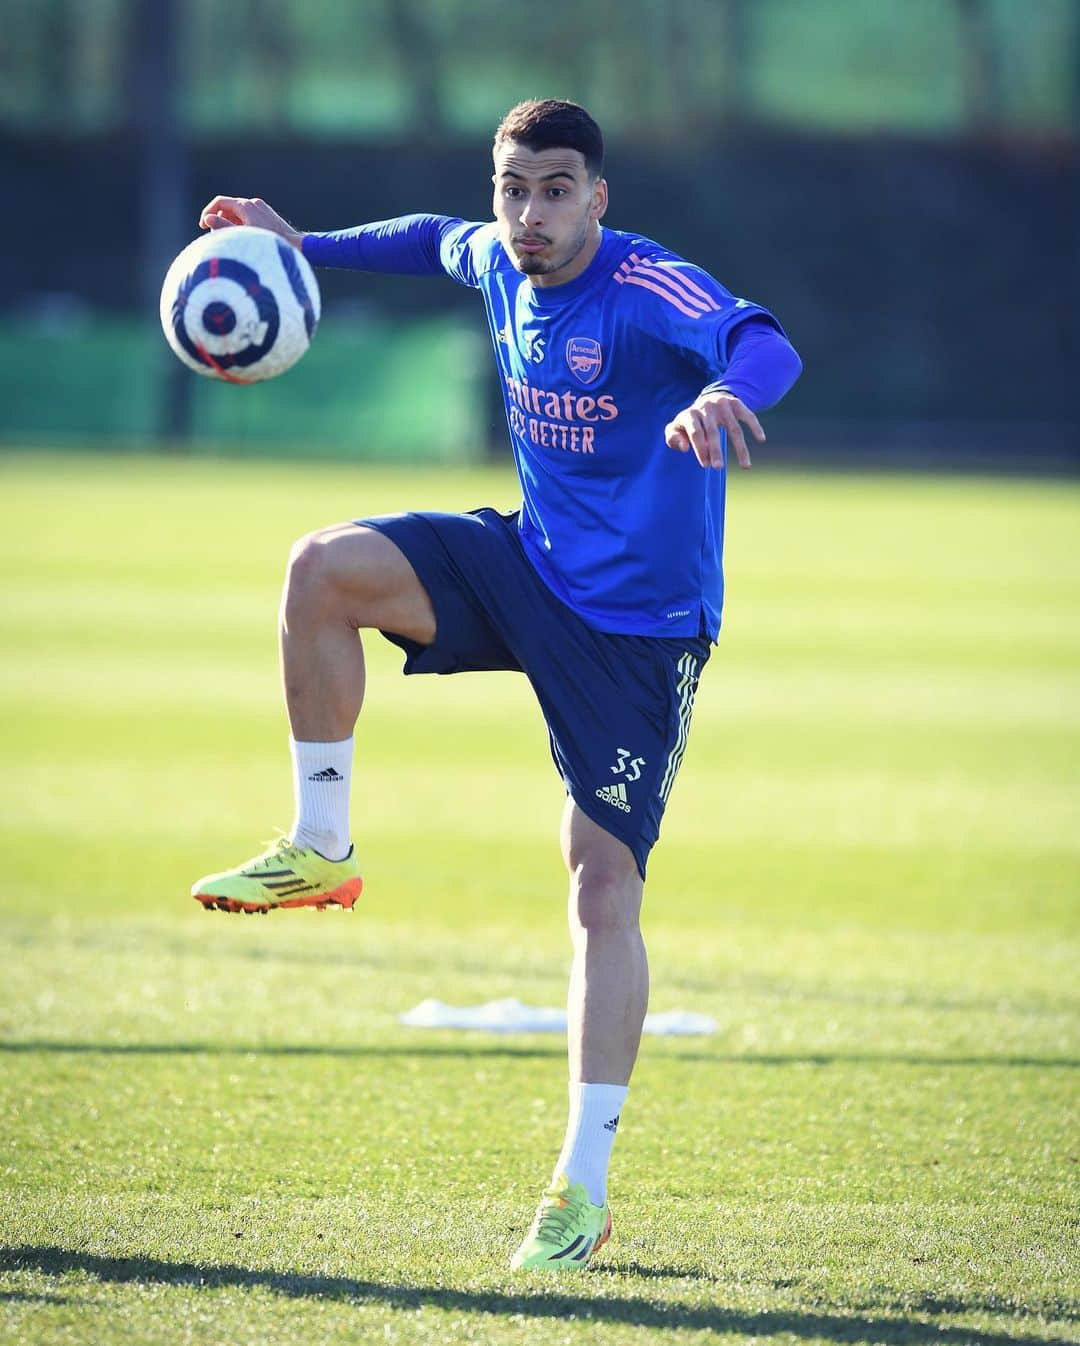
900	182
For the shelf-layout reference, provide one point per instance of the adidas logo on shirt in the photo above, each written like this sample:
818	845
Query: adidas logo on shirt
613	1125
614	795
327	776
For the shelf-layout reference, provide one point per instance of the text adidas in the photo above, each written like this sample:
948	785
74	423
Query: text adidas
615	795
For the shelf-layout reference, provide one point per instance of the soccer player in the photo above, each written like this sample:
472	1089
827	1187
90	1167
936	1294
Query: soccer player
627	374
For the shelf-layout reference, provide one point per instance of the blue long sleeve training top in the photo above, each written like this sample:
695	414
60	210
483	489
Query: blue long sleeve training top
626	531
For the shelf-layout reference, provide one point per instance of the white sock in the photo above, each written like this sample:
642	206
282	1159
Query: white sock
321	776
590	1134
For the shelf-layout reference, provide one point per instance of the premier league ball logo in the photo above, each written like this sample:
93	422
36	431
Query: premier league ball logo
240	304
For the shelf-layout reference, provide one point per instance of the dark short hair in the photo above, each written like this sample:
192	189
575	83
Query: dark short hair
550	124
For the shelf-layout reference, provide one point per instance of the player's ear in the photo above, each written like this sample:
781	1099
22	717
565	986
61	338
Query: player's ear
599	201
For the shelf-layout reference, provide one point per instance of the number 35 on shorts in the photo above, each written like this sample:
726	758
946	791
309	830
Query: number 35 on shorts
627	766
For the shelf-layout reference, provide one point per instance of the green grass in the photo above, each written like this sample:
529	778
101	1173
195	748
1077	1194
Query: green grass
214	1130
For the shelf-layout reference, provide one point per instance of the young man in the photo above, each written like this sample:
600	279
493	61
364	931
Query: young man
625	373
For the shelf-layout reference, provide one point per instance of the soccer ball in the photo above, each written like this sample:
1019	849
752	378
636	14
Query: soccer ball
240	304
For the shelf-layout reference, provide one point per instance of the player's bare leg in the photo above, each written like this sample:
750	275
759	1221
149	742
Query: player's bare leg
609	993
339	579
609	980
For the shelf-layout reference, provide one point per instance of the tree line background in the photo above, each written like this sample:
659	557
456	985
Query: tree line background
901	182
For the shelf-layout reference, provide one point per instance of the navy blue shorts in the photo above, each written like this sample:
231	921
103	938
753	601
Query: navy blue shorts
617	707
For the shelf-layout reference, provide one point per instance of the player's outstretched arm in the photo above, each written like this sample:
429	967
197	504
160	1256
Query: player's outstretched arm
763	367
224	212
410	245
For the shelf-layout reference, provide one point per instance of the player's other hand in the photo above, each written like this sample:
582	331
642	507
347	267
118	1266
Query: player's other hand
224	212
699	426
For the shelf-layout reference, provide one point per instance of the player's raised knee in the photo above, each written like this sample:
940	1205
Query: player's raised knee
360	577
310	564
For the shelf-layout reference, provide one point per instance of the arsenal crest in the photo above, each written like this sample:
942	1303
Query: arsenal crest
584	358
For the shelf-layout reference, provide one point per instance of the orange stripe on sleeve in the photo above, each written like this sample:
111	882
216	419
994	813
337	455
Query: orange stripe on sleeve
684	281
636	279
686	286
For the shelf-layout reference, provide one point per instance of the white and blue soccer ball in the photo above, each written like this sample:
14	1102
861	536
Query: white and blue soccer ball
240	304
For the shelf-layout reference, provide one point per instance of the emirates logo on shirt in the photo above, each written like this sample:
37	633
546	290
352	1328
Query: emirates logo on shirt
553	420
584	359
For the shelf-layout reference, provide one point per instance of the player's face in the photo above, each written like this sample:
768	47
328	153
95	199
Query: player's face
548	209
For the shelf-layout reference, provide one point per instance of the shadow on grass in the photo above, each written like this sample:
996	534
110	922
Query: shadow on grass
473	1046
557	1048
544	1304
937	1304
17	1297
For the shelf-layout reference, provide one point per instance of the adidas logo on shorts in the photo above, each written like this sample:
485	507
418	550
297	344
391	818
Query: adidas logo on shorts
615	795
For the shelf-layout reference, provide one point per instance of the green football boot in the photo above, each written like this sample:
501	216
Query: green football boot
567	1231
283	876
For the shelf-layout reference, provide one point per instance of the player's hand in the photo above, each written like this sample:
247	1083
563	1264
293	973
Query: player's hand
699	426
224	212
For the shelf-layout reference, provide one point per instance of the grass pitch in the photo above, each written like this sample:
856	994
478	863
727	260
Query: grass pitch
213	1128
